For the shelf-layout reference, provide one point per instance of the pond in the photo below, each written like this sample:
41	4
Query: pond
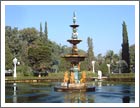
44	93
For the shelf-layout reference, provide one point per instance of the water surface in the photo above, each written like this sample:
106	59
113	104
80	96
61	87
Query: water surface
44	93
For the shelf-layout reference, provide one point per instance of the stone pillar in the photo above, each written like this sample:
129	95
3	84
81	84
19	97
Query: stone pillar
108	65
93	63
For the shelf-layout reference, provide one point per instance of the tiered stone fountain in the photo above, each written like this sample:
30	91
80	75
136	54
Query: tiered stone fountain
73	81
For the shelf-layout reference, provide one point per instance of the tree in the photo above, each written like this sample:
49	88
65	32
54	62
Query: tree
109	56
12	40
64	65
46	31
103	68
8	31
112	59
100	58
125	47
8	58
41	33
116	58
121	67
39	57
99	61
29	35
132	56
90	54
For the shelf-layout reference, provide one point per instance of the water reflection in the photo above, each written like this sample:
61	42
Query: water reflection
126	99
126	91
78	97
99	84
15	94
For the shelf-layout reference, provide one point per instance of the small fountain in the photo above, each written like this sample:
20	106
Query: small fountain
73	81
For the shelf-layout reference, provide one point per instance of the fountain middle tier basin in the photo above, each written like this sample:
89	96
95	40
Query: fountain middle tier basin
74	58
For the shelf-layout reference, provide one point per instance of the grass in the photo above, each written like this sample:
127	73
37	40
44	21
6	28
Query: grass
59	75
120	82
89	74
122	75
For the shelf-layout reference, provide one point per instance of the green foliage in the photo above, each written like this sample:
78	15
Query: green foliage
12	40
41	33
46	31
29	35
84	65
123	66
90	74
64	65
58	75
8	58
24	70
33	50
8	31
103	68
23	57
90	54
39	57
100	58
109	56
125	46
132	55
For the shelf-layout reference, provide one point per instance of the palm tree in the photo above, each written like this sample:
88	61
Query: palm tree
100	58
109	56
112	59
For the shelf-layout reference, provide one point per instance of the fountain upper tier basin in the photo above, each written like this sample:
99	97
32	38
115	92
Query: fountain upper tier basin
74	41
74	25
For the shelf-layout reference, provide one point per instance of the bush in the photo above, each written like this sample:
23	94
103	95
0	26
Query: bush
56	75
24	70
90	74
103	68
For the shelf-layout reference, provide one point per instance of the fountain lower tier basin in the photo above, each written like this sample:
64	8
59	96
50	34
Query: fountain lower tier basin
74	87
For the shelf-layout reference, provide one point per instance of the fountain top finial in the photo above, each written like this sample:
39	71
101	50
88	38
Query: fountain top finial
74	14
74	17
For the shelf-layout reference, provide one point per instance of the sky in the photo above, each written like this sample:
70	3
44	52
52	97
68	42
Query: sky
103	23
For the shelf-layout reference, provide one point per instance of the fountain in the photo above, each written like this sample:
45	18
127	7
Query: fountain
73	81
